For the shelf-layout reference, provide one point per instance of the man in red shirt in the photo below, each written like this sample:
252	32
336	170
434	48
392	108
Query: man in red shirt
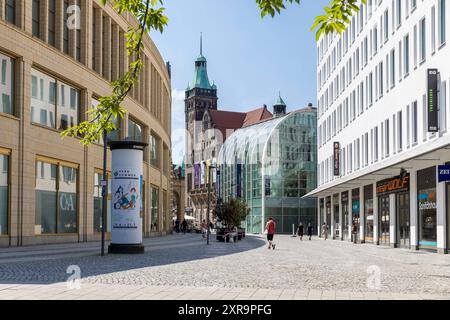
270	230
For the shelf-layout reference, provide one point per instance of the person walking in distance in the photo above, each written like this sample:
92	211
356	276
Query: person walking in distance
325	231
310	231
300	231
354	232
270	229
184	226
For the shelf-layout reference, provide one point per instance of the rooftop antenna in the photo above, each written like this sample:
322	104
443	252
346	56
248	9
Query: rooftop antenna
201	43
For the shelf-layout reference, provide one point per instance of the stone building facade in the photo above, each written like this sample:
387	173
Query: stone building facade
51	74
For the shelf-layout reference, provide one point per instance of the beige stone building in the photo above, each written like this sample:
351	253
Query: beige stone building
51	73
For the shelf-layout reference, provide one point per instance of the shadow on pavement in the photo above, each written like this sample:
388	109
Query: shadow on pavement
49	264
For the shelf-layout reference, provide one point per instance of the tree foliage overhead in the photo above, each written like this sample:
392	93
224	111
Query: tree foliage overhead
150	15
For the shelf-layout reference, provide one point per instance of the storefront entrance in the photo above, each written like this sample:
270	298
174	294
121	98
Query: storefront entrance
368	213
403	218
328	218
384	218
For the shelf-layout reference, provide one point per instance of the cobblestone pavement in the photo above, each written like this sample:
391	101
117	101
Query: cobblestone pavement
183	267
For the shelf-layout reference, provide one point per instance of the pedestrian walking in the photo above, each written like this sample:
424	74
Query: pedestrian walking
310	231
270	230
300	231
184	226
354	232
203	227
325	231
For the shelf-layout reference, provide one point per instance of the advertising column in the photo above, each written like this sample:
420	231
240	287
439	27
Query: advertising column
127	170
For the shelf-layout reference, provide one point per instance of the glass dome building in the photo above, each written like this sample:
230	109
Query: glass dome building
271	165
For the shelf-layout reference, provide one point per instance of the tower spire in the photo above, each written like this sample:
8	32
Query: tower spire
201	43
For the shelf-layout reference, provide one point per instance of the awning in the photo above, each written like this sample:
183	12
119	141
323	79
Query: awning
434	152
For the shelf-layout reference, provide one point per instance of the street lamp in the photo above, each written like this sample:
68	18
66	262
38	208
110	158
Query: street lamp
209	203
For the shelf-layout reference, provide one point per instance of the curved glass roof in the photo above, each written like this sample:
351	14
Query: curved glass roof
247	144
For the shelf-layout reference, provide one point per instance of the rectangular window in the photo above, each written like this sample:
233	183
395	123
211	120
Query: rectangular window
36	18
442	24
66	28
46	198
10	11
98	203
4	194
135	131
392	68
399	131
406	55
154	227
422	41
6	84
154	151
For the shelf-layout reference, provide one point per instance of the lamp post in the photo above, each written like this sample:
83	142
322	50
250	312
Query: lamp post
209	204
104	190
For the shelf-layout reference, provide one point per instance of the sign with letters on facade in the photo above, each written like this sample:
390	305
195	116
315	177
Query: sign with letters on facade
432	103
443	173
393	185
337	158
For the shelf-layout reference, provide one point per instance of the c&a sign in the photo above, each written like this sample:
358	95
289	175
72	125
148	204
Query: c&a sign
393	185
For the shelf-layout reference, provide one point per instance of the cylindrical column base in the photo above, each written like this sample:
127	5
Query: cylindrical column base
126	249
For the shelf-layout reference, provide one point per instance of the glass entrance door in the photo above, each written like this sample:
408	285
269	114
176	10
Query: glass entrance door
403	215
384	220
346	220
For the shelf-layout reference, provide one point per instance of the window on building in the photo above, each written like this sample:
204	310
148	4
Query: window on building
154	227
47	104
154	151
4	194
98	203
36	18
6	84
56	198
422	40
392	68
10	11
442	23
406	60
399	131
66	27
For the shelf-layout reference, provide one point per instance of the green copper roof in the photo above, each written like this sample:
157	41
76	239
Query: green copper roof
280	101
201	80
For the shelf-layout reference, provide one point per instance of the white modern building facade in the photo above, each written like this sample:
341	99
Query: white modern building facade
382	134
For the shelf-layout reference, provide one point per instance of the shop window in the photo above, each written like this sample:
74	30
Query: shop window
154	227
56	198
154	151
426	185
98	203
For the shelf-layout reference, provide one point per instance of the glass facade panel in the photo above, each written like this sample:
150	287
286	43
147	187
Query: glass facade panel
6	84
46	175
155	210
426	191
43	103
98	203
4	194
56	199
154	154
270	166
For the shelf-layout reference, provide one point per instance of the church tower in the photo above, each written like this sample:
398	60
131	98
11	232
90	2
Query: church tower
200	94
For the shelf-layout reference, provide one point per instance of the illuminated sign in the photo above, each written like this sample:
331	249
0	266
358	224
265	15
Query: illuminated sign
393	185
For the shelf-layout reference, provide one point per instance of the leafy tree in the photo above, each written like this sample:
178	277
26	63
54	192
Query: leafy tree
231	213
150	15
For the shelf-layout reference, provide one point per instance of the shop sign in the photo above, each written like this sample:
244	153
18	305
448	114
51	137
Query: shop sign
433	100
337	158
393	185
443	173
355	206
427	199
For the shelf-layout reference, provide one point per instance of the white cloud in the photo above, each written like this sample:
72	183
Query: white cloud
178	126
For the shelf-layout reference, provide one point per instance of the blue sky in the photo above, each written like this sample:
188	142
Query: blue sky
250	59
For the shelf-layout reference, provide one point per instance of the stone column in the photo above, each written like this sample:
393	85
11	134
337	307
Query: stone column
441	216
98	34
86	26
341	218
72	37
393	220
115	50
123	56
2	9
362	219
107	48
44	20
318	217
27	12
413	214
350	214
332	226
376	220
59	26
